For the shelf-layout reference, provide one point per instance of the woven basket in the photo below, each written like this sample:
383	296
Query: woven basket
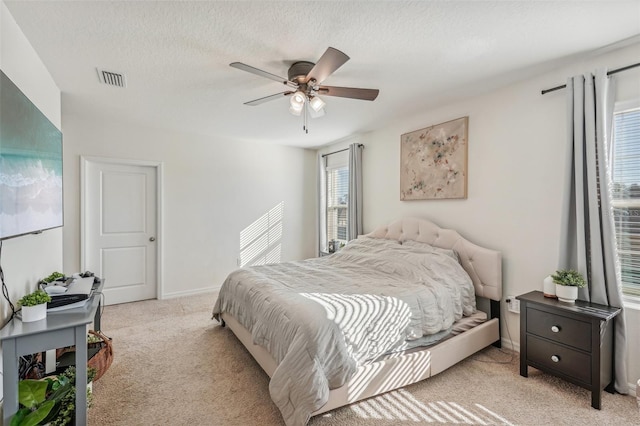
102	360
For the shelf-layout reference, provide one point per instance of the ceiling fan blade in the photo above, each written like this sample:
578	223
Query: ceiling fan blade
261	73
268	98
349	92
331	60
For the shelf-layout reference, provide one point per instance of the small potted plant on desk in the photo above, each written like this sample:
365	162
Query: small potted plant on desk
55	276
34	306
568	281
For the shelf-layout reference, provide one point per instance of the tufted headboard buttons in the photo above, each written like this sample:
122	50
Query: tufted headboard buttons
483	265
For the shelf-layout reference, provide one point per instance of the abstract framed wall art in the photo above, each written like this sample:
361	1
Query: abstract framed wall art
433	162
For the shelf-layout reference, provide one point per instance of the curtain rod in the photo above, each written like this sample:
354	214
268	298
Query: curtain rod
628	67
341	150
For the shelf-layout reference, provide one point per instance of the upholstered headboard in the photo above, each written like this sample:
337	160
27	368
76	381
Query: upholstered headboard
483	265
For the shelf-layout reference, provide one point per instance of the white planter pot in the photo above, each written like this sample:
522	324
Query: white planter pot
549	287
34	313
566	293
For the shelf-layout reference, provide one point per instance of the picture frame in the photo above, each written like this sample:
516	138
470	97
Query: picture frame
433	162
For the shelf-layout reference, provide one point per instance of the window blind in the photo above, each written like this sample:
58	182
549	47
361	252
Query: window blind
337	196
626	196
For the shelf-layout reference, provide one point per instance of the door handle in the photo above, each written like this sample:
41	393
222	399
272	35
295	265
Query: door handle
152	239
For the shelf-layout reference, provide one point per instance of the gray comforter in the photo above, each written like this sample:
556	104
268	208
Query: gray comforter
320	318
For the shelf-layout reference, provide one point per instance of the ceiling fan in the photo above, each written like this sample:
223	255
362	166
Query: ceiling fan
304	80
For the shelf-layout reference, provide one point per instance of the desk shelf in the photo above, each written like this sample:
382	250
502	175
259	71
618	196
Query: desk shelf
59	329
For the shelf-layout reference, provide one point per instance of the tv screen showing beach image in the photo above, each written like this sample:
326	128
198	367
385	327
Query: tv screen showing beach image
30	166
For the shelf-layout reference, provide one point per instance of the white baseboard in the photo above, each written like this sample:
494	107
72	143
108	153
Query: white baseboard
204	290
506	343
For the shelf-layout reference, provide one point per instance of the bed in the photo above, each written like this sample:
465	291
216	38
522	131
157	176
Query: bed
383	317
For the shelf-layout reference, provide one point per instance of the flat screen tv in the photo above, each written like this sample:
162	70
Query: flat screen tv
30	166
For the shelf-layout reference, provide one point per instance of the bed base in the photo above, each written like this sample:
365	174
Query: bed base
390	373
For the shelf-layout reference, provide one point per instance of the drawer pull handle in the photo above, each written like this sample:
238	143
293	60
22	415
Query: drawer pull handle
555	358
555	328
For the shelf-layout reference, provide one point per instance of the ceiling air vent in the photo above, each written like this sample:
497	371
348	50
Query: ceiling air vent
112	78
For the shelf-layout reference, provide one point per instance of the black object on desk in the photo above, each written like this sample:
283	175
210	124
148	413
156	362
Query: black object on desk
573	341
66	299
58	329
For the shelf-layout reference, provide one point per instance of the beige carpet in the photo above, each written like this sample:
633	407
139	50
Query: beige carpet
175	366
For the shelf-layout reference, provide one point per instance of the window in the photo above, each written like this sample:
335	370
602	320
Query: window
626	194
337	187
337	196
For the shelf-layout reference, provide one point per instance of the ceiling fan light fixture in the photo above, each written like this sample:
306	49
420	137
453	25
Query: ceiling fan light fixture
316	114
295	109
316	103
298	99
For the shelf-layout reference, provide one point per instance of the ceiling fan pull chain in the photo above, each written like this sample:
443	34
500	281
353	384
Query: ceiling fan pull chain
304	119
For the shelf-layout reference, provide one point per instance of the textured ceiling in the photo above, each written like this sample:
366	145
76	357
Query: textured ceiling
176	56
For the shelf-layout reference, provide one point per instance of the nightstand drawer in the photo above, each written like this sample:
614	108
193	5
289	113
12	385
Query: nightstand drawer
559	328
559	358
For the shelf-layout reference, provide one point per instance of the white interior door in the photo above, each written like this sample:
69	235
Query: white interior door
121	228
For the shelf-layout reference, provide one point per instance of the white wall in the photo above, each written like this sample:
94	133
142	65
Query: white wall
213	190
517	158
27	259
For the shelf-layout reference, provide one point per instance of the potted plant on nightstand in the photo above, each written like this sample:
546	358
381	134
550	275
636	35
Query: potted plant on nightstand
34	306
568	281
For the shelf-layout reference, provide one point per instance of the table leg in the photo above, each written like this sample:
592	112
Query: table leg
524	370
596	398
81	375
97	317
10	379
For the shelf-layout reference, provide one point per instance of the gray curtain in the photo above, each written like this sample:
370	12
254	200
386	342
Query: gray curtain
354	206
322	204
588	241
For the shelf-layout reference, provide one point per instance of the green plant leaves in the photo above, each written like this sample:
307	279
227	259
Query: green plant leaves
569	277
17	418
49	400
37	416
36	298
54	276
61	392
31	392
26	417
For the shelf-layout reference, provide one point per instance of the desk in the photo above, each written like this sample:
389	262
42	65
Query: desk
59	329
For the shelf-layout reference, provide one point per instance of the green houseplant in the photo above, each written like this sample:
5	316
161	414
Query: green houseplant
53	277
568	281
38	399
49	401
34	306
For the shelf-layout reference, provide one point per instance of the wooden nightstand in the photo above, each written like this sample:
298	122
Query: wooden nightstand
570	341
